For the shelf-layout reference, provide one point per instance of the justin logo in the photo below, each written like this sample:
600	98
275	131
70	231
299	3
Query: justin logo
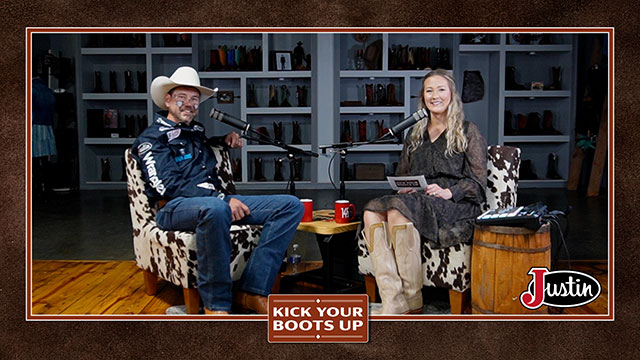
563	288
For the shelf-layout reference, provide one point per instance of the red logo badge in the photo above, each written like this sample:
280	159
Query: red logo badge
318	318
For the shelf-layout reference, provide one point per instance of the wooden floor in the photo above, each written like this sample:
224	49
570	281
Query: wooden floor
116	287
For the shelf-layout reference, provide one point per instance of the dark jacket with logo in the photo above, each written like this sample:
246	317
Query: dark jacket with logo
176	160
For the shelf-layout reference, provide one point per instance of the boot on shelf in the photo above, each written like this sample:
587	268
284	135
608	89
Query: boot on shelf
391	96
97	82
130	121
113	86
128	81
411	62
369	95
278	169
527	171
257	170
251	98
381	95
547	124
301	95
427	58
556	72
346	126
273	96
522	124
393	60
284	96
278	130
534	124
297	169
106	169
510	80
362	130
264	133
380	128
508	123
231	59
297	136
236	61
124	170
214	60
142	81
222	56
142	123
552	167
237	169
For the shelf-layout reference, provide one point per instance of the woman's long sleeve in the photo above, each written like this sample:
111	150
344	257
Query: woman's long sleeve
473	183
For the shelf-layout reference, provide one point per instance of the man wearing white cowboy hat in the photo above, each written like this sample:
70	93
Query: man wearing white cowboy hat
179	169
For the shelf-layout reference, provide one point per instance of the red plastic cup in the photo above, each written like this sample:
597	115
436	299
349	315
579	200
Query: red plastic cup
308	210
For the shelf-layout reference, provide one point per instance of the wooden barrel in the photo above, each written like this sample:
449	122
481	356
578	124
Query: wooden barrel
500	262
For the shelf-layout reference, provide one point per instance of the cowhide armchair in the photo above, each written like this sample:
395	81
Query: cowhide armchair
171	255
450	267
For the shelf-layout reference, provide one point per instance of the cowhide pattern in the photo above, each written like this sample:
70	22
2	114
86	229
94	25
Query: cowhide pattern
172	254
451	267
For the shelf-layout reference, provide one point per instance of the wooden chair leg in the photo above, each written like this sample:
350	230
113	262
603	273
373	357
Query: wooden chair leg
458	300
276	284
150	282
370	286
192	300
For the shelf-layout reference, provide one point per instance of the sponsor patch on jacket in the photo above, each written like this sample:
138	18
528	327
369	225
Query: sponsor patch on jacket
173	134
160	121
144	147
154	180
206	185
183	157
165	128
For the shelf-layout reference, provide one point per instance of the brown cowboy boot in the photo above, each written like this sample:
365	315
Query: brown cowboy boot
362	130
251	302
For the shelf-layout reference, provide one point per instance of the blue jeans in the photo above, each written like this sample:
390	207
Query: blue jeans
210	217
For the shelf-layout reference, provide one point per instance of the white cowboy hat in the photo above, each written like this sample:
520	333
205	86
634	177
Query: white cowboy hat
183	76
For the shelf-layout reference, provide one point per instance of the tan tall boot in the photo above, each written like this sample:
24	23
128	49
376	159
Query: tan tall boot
386	273
406	243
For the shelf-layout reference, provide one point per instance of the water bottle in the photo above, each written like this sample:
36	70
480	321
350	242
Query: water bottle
294	258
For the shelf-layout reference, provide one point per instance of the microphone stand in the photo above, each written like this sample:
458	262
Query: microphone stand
343	149
291	152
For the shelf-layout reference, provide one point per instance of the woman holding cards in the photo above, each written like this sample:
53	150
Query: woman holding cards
452	155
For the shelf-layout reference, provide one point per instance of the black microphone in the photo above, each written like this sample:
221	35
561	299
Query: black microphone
408	122
230	120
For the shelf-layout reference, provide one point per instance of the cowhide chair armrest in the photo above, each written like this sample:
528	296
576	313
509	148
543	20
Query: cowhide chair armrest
224	169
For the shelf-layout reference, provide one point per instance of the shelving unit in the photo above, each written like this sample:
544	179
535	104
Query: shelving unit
406	82
533	62
332	79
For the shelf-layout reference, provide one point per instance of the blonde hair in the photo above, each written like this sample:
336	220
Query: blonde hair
456	140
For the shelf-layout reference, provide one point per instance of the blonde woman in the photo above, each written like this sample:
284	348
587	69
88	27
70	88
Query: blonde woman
452	154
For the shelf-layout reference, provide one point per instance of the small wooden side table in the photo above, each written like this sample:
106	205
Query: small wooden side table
325	228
